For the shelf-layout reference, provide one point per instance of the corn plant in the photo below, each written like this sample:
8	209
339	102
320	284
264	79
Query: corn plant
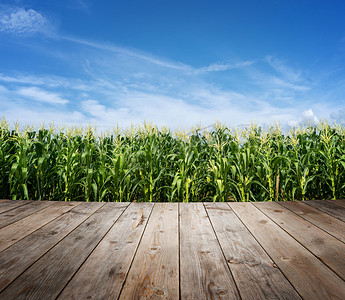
147	164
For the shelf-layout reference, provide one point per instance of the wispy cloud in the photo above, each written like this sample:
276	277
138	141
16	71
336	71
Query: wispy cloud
19	21
40	95
287	84
45	81
31	79
30	116
118	85
82	4
280	67
218	67
276	82
132	53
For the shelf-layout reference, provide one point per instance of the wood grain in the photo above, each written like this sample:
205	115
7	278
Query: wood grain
329	208
21	212
48	276
324	221
17	258
154	273
103	273
204	271
247	259
20	229
7	205
282	250
311	278
340	202
327	248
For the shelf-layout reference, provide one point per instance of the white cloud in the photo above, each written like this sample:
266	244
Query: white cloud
273	86
287	72
165	98
218	67
200	106
131	53
23	22
46	81
123	86
82	4
175	112
28	116
32	80
309	114
292	86
40	95
305	118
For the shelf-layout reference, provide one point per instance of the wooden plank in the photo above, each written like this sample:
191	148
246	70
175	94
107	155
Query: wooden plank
21	212
327	248
340	202
20	229
103	273
310	277
324	221
17	258
329	208
204	271
154	273
10	204
247	259
48	276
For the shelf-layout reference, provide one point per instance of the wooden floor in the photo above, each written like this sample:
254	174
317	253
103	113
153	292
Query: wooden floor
75	250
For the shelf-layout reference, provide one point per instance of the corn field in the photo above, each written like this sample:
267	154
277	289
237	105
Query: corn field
147	164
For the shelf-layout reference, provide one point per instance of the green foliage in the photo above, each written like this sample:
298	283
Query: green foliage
147	164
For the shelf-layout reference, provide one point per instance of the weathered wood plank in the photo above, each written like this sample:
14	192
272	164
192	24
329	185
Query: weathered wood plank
324	221
103	273
21	212
329	208
154	273
17	258
311	278
50	251
7	205
340	202
20	229
326	247
46	278
204	270
247	259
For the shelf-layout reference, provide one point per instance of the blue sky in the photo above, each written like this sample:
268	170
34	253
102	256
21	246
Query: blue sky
173	63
